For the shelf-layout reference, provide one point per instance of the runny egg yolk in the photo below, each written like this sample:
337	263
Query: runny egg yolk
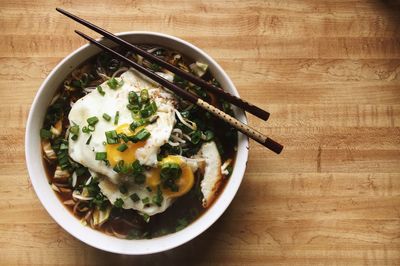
128	155
184	182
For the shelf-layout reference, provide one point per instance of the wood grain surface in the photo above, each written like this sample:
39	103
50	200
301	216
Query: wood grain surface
327	71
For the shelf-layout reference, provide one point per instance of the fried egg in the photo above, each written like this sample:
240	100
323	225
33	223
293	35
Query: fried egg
145	193
141	197
113	101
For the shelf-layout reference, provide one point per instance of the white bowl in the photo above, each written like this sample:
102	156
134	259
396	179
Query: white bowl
54	206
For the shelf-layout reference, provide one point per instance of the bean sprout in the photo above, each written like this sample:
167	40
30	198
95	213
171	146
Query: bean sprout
120	70
186	122
76	195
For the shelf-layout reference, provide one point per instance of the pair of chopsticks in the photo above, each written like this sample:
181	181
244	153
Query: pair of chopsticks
245	129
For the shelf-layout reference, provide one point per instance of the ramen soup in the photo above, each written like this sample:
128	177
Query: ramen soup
128	157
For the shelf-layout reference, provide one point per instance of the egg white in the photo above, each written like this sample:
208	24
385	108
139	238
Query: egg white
212	172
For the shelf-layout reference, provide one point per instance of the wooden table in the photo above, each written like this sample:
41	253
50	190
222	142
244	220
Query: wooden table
328	71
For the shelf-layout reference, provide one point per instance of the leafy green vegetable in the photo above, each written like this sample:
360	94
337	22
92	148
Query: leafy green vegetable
45	134
100	90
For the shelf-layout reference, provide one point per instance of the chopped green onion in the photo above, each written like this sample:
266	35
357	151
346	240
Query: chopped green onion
137	123
170	171
148	189
106	117
114	84
101	156
134	197
74	137
133	98
144	96
89	139
45	134
146	217
137	167
92	120
146	200
85	129
112	137
91	128
143	134
158	198
123	137
100	90
121	168
149	109
74	130
116	118
119	203
230	170
122	147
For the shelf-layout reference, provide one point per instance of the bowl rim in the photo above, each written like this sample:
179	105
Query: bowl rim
121	246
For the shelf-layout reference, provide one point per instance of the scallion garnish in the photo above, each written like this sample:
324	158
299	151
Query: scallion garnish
106	117
92	121
85	129
143	134
133	98
101	156
88	140
123	137
114	84
119	203
169	173
116	118
144	96
74	130
112	137
74	137
146	200
100	90
121	168
158	198
122	147
134	197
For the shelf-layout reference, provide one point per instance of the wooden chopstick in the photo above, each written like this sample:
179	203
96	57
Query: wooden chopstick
260	113
245	129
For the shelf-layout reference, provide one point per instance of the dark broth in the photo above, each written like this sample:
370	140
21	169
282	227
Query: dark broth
128	223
